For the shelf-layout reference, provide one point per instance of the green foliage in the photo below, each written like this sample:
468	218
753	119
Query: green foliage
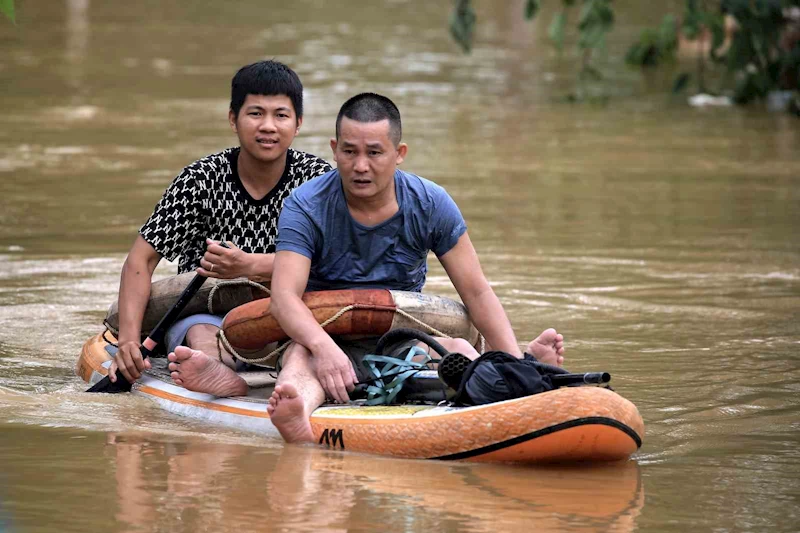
755	61
7	8
557	28
595	21
655	45
462	24
531	8
681	82
754	58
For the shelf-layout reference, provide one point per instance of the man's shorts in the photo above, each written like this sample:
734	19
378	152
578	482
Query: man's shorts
176	334
357	349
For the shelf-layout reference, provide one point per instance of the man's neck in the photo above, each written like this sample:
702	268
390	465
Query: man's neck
374	210
260	177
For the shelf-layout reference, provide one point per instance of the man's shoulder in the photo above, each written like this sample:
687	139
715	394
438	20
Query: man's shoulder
208	167
318	189
419	186
307	164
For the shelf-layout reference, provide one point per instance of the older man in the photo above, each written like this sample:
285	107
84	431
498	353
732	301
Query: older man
369	225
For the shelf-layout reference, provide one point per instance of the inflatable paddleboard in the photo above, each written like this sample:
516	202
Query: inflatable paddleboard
569	424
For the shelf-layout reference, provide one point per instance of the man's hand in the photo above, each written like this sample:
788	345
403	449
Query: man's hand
130	362
224	263
336	375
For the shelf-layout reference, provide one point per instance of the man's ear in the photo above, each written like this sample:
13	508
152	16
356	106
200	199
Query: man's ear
402	150
232	120
299	123
333	148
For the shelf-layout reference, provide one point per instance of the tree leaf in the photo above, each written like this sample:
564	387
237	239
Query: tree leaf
7	8
556	29
531	8
591	37
590	73
668	35
681	82
462	24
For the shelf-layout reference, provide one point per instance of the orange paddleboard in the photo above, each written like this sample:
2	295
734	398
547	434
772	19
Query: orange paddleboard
570	424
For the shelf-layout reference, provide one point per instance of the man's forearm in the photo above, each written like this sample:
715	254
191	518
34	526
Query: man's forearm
134	293
490	318
299	323
260	267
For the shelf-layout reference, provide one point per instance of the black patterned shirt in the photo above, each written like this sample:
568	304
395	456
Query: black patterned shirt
207	200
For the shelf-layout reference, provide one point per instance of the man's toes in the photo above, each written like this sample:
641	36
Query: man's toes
182	353
287	390
548	336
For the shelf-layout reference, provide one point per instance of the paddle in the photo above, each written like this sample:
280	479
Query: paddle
154	339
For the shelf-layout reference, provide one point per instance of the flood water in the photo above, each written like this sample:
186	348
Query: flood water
662	241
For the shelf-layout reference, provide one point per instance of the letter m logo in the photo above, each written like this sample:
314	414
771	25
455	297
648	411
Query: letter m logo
332	438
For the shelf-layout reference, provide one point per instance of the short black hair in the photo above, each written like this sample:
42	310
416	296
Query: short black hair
371	107
268	78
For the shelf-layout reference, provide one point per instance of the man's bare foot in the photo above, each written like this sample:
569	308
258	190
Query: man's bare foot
548	347
195	371
288	414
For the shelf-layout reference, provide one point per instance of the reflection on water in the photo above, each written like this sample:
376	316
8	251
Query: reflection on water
147	482
448	496
661	240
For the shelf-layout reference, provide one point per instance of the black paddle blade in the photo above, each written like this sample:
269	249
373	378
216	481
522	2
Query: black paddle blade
111	387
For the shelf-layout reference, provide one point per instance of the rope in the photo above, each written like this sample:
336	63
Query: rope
431	329
234	282
231	350
331	320
282	347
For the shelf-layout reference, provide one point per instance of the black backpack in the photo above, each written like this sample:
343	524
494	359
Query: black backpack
493	377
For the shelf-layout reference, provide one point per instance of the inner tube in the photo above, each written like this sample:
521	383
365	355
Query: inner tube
367	312
227	294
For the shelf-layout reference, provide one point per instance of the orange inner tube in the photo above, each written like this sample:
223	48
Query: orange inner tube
366	312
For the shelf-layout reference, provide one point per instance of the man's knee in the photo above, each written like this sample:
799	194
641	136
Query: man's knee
461	346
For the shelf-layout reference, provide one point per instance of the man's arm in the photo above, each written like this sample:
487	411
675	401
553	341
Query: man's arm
289	280
464	269
134	293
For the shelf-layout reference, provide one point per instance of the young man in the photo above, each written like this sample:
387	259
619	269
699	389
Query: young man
233	196
368	224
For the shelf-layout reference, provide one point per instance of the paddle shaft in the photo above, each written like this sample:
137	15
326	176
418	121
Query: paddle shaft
595	378
155	337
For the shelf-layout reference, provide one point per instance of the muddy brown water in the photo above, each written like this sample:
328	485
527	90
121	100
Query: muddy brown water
662	241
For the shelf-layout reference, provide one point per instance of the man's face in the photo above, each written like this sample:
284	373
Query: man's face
266	126
366	157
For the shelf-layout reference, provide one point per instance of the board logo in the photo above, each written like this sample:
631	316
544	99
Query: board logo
332	438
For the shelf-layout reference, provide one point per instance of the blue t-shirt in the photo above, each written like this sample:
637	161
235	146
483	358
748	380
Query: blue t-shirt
316	223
